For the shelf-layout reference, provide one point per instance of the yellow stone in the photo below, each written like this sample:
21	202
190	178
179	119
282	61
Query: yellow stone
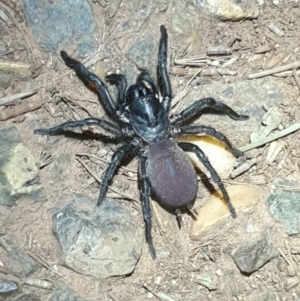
213	216
221	159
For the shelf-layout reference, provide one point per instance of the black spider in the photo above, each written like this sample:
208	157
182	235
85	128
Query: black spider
142	121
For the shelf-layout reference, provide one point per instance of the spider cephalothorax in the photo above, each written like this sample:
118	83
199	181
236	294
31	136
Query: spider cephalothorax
142	121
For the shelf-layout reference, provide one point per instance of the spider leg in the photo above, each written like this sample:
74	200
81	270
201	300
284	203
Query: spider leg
199	129
67	126
188	147
87	77
120	82
144	188
211	106
116	160
162	72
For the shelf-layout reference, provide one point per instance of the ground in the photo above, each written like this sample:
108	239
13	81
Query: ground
175	274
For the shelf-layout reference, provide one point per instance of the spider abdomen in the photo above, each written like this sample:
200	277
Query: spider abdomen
172	176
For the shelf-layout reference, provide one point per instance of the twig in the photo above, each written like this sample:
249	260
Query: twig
293	128
177	100
43	263
296	78
5	8
20	108
41	283
284	257
113	297
265	283
104	160
152	292
290	66
14	97
159	296
198	61
100	182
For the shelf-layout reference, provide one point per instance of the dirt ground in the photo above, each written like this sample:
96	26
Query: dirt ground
61	96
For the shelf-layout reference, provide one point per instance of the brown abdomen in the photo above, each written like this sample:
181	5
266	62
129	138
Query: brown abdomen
172	176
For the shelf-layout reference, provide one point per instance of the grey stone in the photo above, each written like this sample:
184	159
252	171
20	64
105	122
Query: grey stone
245	97
139	11
127	69
284	205
18	170
5	79
7	287
186	27
56	172
101	243
250	256
55	24
18	260
143	53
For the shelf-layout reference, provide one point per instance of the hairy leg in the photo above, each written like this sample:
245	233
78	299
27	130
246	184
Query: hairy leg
205	106
208	130
88	77
120	82
201	156
68	126
162	71
116	161
144	188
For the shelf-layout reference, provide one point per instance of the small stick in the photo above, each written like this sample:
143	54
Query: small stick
290	66
113	297
7	10
19	109
100	182
293	128
41	283
14	97
296	78
104	160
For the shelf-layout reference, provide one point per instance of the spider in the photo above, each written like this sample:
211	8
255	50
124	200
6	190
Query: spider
141	119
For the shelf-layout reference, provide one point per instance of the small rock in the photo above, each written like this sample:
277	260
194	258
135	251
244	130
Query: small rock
229	9
18	170
7	287
206	280
55	24
5	79
213	216
100	242
250	256
219	272
284	205
271	120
